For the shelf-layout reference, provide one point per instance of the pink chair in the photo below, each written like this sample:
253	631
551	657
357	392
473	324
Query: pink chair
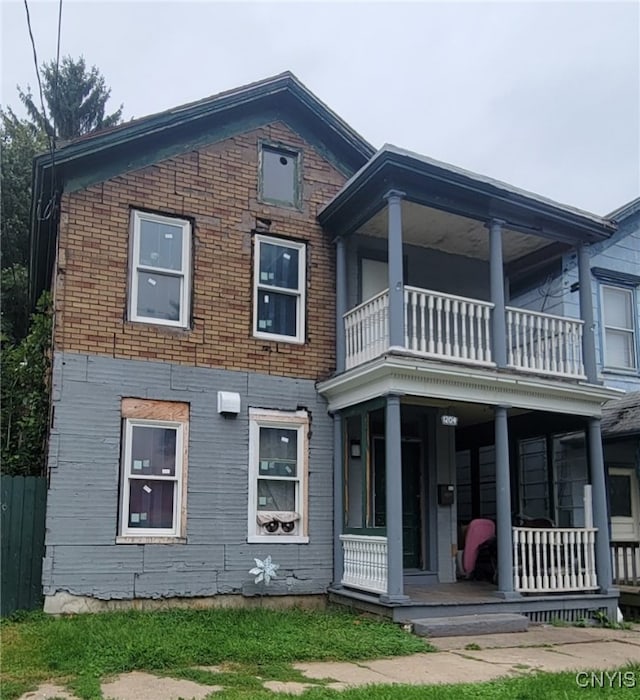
479	531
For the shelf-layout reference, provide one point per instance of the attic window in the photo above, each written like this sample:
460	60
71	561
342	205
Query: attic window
279	176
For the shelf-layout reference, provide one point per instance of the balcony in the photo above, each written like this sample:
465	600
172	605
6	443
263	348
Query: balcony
457	329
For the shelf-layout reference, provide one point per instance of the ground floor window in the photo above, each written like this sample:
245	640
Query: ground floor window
154	468
278	466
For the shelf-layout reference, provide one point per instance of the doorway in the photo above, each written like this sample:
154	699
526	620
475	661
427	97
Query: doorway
412	497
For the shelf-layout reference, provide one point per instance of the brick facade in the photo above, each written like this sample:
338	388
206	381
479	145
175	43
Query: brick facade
216	187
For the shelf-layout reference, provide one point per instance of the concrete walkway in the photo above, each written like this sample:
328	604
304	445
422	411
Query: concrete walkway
457	660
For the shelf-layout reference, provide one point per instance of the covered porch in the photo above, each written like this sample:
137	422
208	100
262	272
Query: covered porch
404	502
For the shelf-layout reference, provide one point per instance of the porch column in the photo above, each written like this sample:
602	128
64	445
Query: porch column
341	303
496	274
393	458
600	508
586	314
338	505
503	505
396	277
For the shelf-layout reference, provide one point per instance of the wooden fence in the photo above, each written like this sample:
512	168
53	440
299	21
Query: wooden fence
22	514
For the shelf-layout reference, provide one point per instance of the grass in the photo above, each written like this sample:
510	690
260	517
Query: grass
249	647
83	649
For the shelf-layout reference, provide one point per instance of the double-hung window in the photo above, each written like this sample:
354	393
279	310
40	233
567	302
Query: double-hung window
278	448
160	270
279	289
619	328
154	467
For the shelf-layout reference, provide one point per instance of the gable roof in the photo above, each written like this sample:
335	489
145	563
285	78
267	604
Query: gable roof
98	156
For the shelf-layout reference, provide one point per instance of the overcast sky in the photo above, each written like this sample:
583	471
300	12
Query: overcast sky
543	95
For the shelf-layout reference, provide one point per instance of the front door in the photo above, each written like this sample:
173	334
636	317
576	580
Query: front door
411	505
411	497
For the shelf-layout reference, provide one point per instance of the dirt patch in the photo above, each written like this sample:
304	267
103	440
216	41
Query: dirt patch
46	691
142	686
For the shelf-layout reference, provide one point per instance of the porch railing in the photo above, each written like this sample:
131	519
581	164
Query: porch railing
367	330
543	343
458	329
365	562
625	557
447	326
554	560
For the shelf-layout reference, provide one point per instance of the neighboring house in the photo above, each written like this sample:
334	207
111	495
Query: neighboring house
615	283
272	340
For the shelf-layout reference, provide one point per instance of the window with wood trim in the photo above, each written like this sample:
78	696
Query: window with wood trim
279	176
278	466
154	469
160	270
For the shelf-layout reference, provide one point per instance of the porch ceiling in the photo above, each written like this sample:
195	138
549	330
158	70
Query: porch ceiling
451	233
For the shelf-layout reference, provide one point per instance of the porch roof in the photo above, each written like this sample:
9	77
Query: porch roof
621	418
446	187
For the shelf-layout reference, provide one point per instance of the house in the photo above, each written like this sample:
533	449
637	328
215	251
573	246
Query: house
615	277
272	340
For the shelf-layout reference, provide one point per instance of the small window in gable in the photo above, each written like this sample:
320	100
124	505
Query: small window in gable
279	176
159	277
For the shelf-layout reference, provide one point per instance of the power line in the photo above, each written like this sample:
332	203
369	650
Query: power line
56	94
48	128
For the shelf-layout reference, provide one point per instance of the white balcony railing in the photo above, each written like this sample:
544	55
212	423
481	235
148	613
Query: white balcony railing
458	329
365	562
554	560
367	330
447	326
626	563
544	343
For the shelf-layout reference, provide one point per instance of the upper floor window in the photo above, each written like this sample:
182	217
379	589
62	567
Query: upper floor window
279	176
159	284
619	328
279	289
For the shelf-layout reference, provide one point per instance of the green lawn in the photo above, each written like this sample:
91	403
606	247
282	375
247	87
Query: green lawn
251	646
82	649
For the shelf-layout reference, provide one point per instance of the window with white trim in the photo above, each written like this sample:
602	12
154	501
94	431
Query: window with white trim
619	328
278	466
160	265
154	469
279	289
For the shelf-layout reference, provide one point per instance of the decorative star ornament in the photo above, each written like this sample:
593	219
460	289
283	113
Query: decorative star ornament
264	570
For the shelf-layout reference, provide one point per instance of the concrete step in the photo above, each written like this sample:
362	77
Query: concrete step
470	625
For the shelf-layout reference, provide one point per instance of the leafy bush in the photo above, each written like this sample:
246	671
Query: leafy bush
25	396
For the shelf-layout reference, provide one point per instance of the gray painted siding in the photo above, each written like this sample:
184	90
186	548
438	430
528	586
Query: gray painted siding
447	527
82	556
621	253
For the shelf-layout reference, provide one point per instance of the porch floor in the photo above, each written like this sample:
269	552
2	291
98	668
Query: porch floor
477	598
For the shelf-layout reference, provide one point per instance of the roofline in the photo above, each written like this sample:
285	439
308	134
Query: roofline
625	210
410	162
282	93
150	124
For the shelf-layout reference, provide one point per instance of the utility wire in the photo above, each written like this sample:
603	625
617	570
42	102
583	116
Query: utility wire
56	94
49	209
